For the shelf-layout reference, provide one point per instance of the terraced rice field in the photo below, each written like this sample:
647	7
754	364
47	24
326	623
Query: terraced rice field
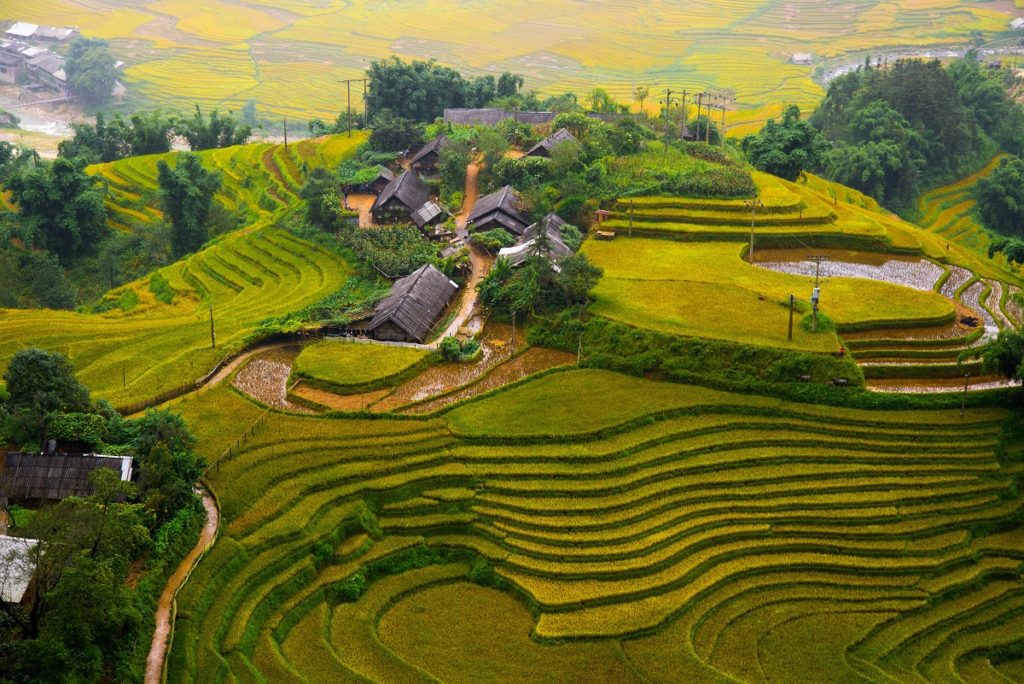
682	535
288	56
260	271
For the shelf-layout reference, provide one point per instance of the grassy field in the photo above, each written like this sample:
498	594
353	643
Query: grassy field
155	338
350	367
288	56
682	534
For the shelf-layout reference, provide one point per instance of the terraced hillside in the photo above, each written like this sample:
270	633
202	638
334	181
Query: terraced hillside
288	55
948	211
156	337
682	535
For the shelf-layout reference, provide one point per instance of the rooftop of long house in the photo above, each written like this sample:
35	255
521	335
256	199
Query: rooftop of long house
407	188
415	302
55	476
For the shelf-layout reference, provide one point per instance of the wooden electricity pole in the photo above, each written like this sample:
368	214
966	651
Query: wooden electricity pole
213	335
818	260
753	204
286	135
700	102
707	128
792	302
348	97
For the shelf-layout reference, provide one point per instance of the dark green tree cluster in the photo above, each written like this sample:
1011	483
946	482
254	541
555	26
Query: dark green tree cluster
320	192
535	287
420	91
1000	198
786	148
186	192
1005	355
915	124
90	71
106	142
213	131
393	133
82	621
1011	247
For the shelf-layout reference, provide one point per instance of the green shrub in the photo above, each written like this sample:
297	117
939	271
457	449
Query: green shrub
348	591
161	289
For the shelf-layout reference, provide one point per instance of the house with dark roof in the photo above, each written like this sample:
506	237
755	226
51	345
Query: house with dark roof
426	159
413	307
526	246
48	69
500	209
381	178
17	567
545	146
400	198
10	66
33	477
429	215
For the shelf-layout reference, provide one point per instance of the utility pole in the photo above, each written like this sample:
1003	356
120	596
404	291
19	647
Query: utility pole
348	96
668	106
753	204
723	126
682	115
286	135
630	218
700	100
792	301
707	129
213	335
513	331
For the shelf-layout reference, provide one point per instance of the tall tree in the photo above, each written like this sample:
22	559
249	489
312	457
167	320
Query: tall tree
61	206
207	133
1000	198
90	71
392	133
786	148
40	384
187	192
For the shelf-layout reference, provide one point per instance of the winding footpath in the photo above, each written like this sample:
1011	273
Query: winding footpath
161	634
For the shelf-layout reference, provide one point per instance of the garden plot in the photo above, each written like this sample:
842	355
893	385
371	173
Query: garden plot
265	378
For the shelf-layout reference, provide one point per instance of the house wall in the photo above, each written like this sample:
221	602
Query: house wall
389	332
392	212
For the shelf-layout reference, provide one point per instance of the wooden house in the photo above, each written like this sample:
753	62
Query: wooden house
526	247
500	209
413	307
400	198
428	156
34	477
384	177
545	146
10	66
429	216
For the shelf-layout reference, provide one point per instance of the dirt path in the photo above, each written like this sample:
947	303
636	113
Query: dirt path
161	635
479	261
362	204
242	358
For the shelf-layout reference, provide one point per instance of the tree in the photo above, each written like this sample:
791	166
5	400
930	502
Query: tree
213	132
640	94
249	113
317	128
61	206
1012	249
1000	198
39	384
601	101
320	192
90	71
786	148
577	277
509	84
1006	355
150	133
99	142
392	133
186	192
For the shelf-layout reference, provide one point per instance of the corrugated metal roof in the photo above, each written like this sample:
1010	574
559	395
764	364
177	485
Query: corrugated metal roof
22	29
52	477
426	213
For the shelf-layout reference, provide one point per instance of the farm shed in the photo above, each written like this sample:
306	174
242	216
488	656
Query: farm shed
51	477
500	209
1017	24
400	199
429	155
48	69
545	146
552	224
17	567
802	58
21	29
429	214
414	305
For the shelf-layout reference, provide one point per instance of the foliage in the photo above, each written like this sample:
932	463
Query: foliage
985	92
454	158
420	91
452	349
667	171
535	287
60	207
493	240
90	71
321	195
344	367
105	142
33	279
1012	248
1006	355
392	251
392	132
785	148
207	133
1000	198
39	384
187	192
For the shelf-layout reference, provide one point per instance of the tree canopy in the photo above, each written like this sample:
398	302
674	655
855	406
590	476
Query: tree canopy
90	71
1000	198
214	131
786	148
186	192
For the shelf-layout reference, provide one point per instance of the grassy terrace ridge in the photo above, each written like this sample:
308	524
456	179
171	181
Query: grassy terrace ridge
622	523
343	367
257	272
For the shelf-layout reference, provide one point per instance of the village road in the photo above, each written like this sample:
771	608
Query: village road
161	635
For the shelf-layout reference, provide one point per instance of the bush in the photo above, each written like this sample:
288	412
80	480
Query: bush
348	591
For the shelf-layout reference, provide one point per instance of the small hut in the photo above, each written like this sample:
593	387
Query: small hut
400	199
524	248
414	305
500	209
548	144
428	156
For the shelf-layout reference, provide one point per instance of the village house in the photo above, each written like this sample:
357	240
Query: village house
47	69
40	478
399	199
413	307
548	144
427	158
23	30
17	568
525	247
376	186
802	58
500	209
1017	24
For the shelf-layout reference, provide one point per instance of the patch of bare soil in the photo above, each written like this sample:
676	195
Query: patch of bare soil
974	384
919	274
362	204
338	402
265	378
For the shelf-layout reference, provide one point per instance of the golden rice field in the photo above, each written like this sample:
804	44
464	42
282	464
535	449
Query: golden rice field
145	346
289	55
589	526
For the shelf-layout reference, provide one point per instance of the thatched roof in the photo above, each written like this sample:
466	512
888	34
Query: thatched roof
52	477
415	302
545	146
501	206
552	224
407	188
433	147
16	567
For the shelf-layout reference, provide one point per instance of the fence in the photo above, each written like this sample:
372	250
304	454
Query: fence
237	446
